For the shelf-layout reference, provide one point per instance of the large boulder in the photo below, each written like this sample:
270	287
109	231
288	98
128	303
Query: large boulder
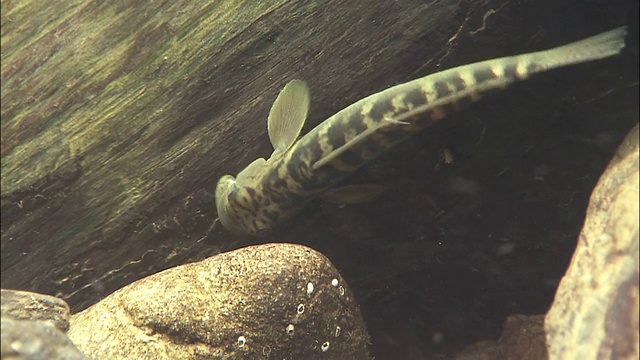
273	300
595	310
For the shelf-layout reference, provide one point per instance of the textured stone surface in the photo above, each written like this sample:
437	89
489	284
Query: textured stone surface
595	311
279	301
522	339
25	305
36	340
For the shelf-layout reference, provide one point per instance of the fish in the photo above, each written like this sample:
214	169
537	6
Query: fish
270	191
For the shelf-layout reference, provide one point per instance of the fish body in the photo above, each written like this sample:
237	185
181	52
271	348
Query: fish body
268	192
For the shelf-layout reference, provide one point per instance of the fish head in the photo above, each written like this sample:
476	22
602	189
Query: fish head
237	209
226	190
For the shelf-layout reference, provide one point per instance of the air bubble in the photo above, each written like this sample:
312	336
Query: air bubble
300	308
342	291
325	346
241	341
290	329
334	282
266	350
338	331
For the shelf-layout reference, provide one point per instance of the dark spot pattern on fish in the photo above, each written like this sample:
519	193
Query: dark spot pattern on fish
458	83
355	122
336	136
416	97
379	109
511	71
442	88
484	74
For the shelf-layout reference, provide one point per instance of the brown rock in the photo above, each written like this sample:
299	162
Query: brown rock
274	300
36	340
595	311
25	305
522	339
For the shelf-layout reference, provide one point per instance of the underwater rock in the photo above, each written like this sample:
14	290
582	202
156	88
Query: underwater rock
595	310
280	301
34	326
36	340
25	305
522	339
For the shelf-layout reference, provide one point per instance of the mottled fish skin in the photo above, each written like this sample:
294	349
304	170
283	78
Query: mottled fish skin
360	132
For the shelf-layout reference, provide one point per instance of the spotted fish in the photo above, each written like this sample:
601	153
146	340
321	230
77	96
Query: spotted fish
268	192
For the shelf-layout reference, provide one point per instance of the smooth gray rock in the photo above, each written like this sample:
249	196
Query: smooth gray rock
36	340
277	301
25	305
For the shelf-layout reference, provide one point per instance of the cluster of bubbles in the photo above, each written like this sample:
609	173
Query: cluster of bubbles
290	329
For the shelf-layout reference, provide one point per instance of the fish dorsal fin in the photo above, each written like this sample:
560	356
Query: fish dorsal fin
288	114
250	172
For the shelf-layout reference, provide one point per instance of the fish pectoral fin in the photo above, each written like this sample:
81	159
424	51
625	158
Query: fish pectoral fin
250	172
352	194
288	114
